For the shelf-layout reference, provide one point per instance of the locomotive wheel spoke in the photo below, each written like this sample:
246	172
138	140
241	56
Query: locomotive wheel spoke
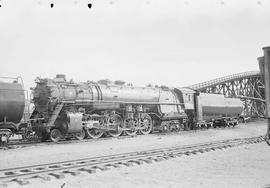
147	123
115	122
94	133
133	124
80	135
55	135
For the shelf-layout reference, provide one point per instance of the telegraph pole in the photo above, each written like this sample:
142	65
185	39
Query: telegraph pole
267	89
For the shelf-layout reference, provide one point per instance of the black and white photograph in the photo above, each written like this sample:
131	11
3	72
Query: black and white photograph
135	93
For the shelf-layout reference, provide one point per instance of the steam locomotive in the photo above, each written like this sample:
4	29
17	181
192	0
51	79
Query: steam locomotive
64	109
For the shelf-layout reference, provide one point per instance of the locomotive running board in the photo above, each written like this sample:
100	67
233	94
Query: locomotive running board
55	114
119	102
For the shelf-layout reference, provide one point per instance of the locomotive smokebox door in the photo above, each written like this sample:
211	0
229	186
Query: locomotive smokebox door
74	122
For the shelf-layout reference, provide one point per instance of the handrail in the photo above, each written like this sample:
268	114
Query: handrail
18	79
224	79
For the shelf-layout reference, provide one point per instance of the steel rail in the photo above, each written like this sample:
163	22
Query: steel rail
23	175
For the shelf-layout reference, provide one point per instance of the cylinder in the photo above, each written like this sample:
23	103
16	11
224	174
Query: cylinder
12	102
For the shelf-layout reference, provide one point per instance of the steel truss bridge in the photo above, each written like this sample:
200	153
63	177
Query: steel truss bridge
248	86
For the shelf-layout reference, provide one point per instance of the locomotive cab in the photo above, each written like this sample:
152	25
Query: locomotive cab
187	98
167	110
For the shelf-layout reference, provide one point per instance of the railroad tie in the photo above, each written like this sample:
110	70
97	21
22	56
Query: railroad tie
127	163
187	153
166	157
57	175
221	147
42	177
158	159
137	161
201	150
148	160
172	156
179	154
88	170
72	172
101	167
10	173
114	165
207	149
194	152
21	181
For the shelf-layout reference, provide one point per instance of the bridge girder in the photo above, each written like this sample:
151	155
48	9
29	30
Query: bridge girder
248	86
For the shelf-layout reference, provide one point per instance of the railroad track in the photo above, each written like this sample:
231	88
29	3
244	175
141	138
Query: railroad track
24	175
14	144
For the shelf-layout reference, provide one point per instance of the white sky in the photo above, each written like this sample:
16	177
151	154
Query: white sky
168	42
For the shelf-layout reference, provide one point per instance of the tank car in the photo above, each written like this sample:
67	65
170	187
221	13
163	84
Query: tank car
93	109
12	105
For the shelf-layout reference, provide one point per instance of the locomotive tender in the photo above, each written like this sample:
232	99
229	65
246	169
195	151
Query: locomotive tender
89	109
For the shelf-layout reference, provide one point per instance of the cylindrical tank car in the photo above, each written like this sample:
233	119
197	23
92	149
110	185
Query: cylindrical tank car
12	105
